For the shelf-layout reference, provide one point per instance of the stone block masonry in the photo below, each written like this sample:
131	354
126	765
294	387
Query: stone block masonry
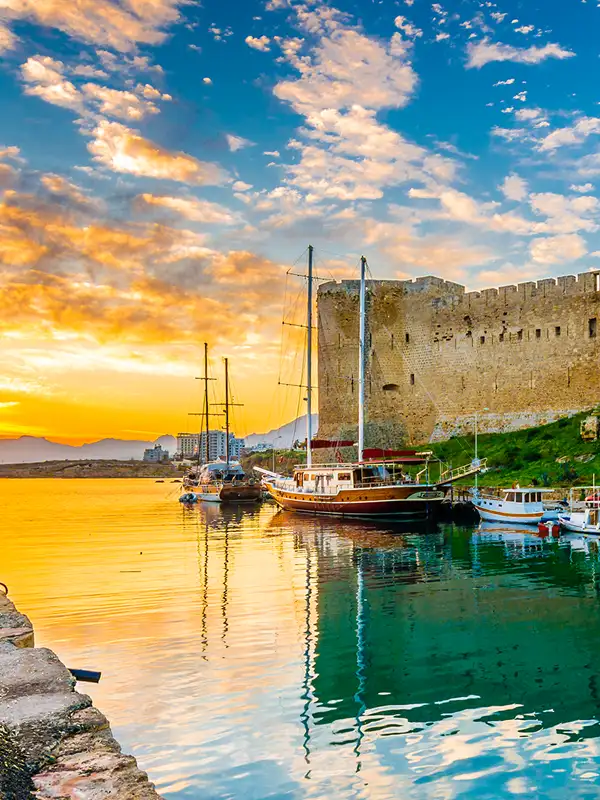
53	743
438	355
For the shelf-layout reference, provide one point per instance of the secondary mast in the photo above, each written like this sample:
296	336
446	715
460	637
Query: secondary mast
227	411
361	362
309	360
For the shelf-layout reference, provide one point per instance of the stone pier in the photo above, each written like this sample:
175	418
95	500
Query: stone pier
53	743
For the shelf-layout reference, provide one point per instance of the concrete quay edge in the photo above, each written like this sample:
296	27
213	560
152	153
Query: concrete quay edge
62	746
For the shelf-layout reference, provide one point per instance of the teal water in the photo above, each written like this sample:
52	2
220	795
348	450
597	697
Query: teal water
255	654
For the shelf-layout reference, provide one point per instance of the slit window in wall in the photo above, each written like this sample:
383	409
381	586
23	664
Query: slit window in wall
412	379
538	333
407	338
557	330
500	337
520	335
482	340
592	327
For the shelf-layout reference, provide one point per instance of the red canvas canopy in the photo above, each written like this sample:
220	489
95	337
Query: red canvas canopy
403	456
318	444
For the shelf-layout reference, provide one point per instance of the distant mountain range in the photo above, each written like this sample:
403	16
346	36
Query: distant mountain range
286	435
28	449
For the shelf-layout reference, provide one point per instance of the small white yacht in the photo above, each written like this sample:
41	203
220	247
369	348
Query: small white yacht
586	519
516	505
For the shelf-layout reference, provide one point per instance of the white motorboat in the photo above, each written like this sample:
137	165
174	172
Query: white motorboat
516	505
586	520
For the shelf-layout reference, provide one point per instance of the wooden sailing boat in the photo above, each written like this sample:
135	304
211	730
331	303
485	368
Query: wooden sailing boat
366	488
220	481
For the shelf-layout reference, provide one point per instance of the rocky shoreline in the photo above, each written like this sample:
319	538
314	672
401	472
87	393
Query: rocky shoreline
53	743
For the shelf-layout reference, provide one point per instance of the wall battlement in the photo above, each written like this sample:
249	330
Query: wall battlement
438	354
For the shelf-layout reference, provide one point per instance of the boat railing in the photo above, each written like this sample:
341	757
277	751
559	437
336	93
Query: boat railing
461	472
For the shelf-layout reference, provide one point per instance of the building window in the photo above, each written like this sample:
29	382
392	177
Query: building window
520	335
592	326
482	340
538	333
390	387
392	342
557	330
501	337
412	379
407	338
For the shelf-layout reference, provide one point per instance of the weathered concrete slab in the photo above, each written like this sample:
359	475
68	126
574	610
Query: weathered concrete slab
14	627
58	736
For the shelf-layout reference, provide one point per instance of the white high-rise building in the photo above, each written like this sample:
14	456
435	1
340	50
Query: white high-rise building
188	443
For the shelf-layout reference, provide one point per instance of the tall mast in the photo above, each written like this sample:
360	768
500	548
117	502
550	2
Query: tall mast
361	362
206	401
227	411
309	360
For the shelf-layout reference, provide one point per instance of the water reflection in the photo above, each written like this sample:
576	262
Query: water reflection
253	653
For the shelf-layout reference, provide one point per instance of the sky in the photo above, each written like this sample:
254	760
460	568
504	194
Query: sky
165	163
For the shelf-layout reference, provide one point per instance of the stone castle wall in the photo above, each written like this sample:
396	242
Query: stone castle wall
437	355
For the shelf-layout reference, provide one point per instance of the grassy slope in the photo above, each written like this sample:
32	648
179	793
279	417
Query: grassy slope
529	456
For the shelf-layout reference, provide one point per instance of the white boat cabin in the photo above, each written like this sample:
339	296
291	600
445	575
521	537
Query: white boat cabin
515	505
330	479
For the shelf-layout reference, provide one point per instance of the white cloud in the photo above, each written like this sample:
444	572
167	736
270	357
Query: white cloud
558	249
514	188
407	28
236	143
486	52
240	186
44	78
497	16
88	71
525	29
584	188
208	81
117	103
345	152
273	153
525	114
348	68
507	82
521	96
442	37
565	214
260	43
572	135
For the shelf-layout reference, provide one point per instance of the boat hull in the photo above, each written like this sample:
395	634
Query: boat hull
577	524
493	515
408	503
231	495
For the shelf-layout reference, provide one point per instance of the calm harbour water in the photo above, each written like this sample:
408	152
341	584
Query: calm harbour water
255	654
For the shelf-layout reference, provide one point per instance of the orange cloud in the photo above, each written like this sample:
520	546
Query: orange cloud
119	26
191	208
123	149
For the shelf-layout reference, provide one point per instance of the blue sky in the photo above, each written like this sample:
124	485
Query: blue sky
163	163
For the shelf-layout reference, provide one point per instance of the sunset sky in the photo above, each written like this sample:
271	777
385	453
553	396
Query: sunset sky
163	163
